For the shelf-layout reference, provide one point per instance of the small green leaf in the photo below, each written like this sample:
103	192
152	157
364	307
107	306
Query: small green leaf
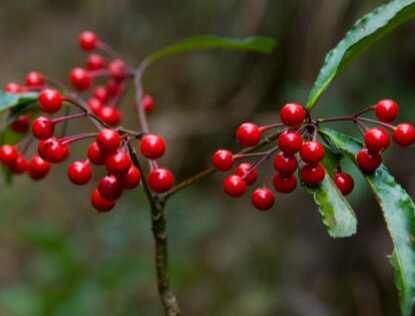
399	213
9	100
255	44
366	31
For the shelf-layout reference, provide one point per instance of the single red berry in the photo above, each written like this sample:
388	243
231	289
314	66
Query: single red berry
118	163
95	62
222	160
312	152
248	134
368	162
38	168
344	182
404	135
386	110
377	140
8	154
52	150
19	165
292	114
79	172
34	79
42	128
101	93
95	155
290	142
285	164
152	146
243	170
81	79
50	101
262	199
95	105
13	87
312	175
101	204
284	183
110	187
88	40
21	124
131	178
108	140
113	87
117	69
109	115
148	103
234	186
160	180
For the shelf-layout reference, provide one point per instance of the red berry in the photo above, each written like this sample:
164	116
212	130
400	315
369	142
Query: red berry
152	146
367	162
292	114
131	178
118	163
42	128
234	186
95	155
21	124
262	199
79	172
344	182
53	150
113	87
95	106
248	134
290	142
312	152
38	168
243	169
386	110
222	160
81	79
88	40
284	183
148	103
160	180
109	115
117	69
50	101
34	79
377	140
101	93
312	175
13	87
110	187
108	140
101	204
404	135
285	164
95	62
19	165
8	154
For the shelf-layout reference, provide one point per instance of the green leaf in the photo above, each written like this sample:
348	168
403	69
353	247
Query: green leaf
9	100
366	31
255	44
399	213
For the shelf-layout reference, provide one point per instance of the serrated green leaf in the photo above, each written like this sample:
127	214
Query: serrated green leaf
399	213
366	31
255	44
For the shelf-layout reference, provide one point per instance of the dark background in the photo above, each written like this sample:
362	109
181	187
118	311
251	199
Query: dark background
58	257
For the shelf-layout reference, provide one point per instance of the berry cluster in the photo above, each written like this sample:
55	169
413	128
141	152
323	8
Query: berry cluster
110	146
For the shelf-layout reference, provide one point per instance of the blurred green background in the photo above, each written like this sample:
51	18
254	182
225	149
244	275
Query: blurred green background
58	257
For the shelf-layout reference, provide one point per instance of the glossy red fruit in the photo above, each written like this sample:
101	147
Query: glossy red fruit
367	162
117	69
222	160
79	172
80	78
101	204
290	142
34	79
101	93
131	178
113	87
88	40
377	140
234	186
404	135
38	168
312	152
109	115
262	199
95	155
312	175
13	87
118	163
248	134
110	187
152	146
95	62
284	183
8	154
160	180
50	101
95	105
108	140
148	103
285	164
21	124
242	171
387	110
19	165
292	114
42	128
52	150
344	182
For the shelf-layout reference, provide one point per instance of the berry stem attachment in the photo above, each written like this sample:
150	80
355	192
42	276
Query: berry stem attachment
369	120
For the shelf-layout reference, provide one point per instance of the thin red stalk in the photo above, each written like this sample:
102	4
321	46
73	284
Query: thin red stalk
365	119
271	126
75	138
109	50
68	117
